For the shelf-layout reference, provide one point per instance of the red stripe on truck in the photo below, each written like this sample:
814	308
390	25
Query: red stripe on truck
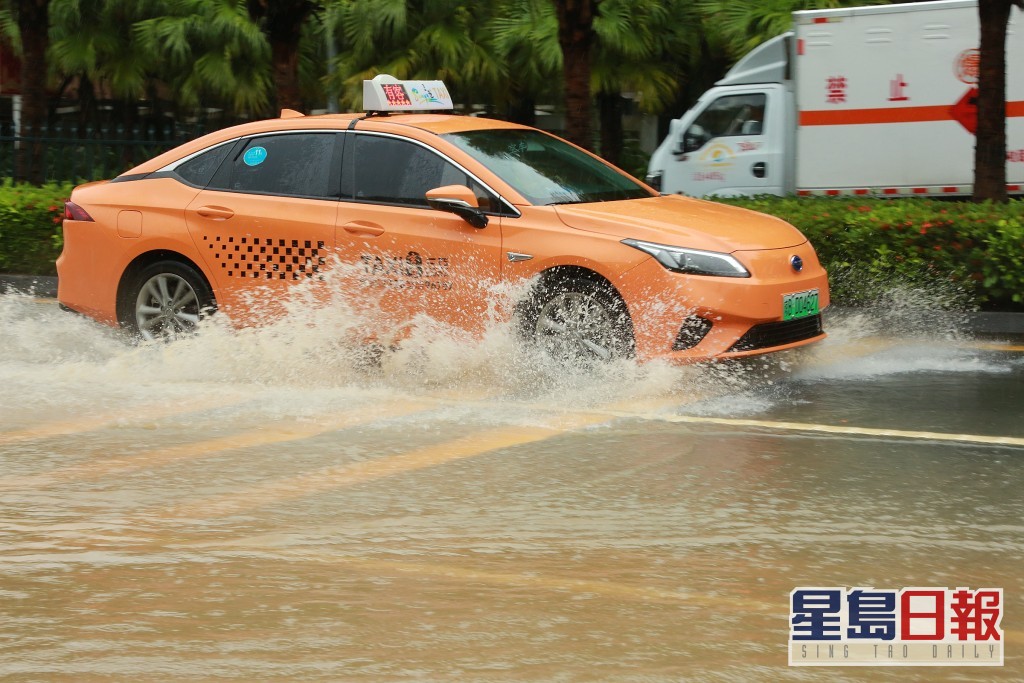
845	117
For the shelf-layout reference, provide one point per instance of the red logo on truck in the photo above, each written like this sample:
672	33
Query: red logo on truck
966	66
896	89
836	88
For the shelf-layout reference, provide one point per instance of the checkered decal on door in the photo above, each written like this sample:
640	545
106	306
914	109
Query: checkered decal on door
266	258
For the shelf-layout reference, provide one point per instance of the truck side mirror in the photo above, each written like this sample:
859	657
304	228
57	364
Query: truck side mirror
461	201
694	138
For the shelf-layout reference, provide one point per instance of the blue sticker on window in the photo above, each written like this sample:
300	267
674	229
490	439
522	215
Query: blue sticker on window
254	156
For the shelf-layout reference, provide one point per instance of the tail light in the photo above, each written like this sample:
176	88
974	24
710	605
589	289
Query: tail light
74	212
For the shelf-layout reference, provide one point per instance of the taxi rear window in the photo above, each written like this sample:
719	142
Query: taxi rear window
546	170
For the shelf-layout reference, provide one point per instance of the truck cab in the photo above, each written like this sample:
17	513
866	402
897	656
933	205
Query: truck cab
737	140
860	101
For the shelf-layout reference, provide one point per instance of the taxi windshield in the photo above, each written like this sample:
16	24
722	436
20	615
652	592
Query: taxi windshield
546	170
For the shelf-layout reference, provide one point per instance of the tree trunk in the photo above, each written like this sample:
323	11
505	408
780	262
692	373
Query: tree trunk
575	36
990	143
282	22
34	23
285	56
86	104
522	109
610	107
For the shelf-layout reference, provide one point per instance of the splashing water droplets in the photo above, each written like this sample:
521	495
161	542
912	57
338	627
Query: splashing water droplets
316	336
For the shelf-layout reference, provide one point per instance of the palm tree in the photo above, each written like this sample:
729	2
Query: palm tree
525	42
642	46
576	37
282	21
92	43
33	27
990	143
432	39
211	51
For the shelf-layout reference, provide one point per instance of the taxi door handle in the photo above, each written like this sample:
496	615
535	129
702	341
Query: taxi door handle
217	213
360	228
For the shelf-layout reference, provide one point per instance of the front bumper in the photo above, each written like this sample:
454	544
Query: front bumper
743	316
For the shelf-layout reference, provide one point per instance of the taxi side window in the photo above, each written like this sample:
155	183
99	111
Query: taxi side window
295	164
199	169
391	171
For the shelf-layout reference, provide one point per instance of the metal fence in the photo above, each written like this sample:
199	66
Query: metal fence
66	152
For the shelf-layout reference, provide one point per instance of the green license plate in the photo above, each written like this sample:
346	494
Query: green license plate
800	304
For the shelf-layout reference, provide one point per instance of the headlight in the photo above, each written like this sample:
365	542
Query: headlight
691	261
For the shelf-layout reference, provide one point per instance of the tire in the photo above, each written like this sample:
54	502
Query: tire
166	300
577	320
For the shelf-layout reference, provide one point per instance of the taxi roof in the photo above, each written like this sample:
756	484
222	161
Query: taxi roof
447	123
438	124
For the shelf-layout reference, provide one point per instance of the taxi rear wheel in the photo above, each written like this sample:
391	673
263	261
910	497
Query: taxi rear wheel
166	300
578	320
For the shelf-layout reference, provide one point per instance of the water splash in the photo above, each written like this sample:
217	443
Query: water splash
889	306
315	340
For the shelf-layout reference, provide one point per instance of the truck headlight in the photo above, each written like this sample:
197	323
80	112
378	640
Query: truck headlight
691	261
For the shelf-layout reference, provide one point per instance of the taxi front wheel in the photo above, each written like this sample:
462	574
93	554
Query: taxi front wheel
166	300
578	320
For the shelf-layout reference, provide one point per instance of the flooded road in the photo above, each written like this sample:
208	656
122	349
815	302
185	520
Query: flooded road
257	505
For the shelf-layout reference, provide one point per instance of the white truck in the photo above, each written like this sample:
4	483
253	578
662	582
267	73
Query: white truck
863	101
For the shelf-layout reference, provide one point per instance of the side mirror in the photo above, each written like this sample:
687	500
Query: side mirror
461	201
694	138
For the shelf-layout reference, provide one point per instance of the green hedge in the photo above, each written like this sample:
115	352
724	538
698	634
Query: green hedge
973	254
970	254
30	227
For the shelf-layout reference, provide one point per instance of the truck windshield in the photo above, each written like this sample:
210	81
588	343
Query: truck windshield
546	170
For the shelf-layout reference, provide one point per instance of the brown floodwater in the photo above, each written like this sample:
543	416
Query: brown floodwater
260	505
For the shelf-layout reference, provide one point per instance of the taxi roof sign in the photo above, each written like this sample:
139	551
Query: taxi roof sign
387	93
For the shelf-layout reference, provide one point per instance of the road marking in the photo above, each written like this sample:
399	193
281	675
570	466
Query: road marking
836	429
95	469
351	474
651	415
139	414
988	346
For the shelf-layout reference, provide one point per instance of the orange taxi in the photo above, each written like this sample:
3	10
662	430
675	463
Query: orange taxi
430	211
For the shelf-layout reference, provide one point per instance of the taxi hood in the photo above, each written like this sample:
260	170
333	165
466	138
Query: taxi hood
683	222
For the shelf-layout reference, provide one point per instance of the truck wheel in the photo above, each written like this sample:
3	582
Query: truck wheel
578	320
166	300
